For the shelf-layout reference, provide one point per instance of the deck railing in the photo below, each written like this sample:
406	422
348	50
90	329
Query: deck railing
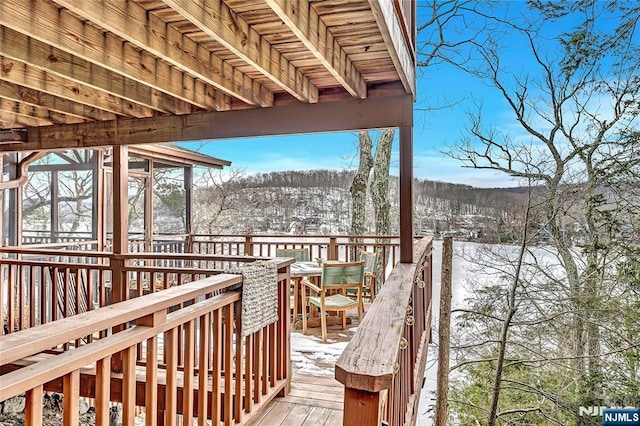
382	367
178	334
329	247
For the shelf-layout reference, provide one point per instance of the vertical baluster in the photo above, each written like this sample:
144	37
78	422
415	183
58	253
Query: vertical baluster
265	360
248	373
188	381
70	399
151	383
238	365
11	303
129	386
257	372
171	351
228	359
103	389
272	354
66	295
33	407
32	295
21	297
216	366
203	370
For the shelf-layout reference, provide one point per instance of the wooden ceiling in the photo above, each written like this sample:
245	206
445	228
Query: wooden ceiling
77	73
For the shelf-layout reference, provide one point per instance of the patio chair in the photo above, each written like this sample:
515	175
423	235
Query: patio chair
336	278
369	283
369	286
299	254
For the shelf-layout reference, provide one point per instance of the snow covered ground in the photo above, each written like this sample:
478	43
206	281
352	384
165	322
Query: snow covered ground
310	356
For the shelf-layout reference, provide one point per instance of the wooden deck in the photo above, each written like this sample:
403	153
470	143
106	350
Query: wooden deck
313	400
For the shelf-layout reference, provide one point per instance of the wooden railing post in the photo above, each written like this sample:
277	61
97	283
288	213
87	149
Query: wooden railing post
332	251
248	246
361	408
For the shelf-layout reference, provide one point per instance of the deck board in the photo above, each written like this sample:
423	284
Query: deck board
313	401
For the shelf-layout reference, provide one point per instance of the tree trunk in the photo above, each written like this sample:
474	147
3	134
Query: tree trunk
359	190
380	197
511	311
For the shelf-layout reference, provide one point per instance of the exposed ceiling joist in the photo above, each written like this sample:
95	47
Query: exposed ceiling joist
131	22
305	23
45	57
20	73
234	33
54	104
42	113
89	43
11	119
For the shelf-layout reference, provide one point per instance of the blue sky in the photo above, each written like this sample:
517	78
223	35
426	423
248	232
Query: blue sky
434	130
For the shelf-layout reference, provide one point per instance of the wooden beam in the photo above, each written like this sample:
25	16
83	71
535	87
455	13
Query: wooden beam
406	194
13	135
305	23
219	22
133	23
351	115
54	104
55	61
177	156
23	75
393	35
27	110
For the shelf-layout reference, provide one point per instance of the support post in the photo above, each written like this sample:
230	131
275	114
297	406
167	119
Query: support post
119	284
55	206
188	187
120	220
12	208
444	335
98	228
406	194
148	207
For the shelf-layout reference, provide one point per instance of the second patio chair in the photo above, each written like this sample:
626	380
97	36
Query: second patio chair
369	286
336	279
299	254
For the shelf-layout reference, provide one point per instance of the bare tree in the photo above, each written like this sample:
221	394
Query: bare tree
359	187
212	195
577	110
380	196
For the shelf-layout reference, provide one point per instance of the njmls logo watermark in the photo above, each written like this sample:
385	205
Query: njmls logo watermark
613	416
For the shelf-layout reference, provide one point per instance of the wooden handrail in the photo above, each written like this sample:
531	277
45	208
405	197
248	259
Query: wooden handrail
368	361
18	345
23	379
388	351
